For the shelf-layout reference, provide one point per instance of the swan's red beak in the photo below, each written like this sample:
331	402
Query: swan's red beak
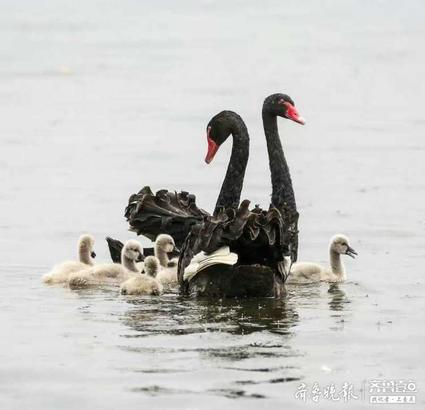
292	113
212	148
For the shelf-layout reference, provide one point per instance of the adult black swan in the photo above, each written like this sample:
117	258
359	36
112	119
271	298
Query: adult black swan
266	242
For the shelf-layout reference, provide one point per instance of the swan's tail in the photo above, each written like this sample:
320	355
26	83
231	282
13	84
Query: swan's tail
168	212
115	248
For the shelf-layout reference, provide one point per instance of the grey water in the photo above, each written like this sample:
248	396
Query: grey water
99	98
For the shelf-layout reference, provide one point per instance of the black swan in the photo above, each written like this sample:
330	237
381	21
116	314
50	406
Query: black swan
263	240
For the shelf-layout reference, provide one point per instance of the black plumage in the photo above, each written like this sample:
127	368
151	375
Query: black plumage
262	239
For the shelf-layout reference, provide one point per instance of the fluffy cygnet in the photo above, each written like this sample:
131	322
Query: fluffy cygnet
61	272
306	272
110	273
144	284
167	274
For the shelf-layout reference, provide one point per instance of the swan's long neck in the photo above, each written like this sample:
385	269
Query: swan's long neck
231	188
128	263
84	254
336	264
282	190
161	255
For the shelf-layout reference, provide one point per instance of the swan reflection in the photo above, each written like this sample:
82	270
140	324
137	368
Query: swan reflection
176	315
338	298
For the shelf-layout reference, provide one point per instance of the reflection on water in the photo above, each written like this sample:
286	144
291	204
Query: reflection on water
338	302
338	299
172	347
309	291
248	341
175	315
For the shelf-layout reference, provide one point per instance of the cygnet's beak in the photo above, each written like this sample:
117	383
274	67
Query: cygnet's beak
175	251
351	252
93	254
140	258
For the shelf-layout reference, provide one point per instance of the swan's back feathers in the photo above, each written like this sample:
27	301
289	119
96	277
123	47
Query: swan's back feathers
168	212
98	275
257	236
61	272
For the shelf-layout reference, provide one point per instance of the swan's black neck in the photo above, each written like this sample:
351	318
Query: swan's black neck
231	188
282	190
